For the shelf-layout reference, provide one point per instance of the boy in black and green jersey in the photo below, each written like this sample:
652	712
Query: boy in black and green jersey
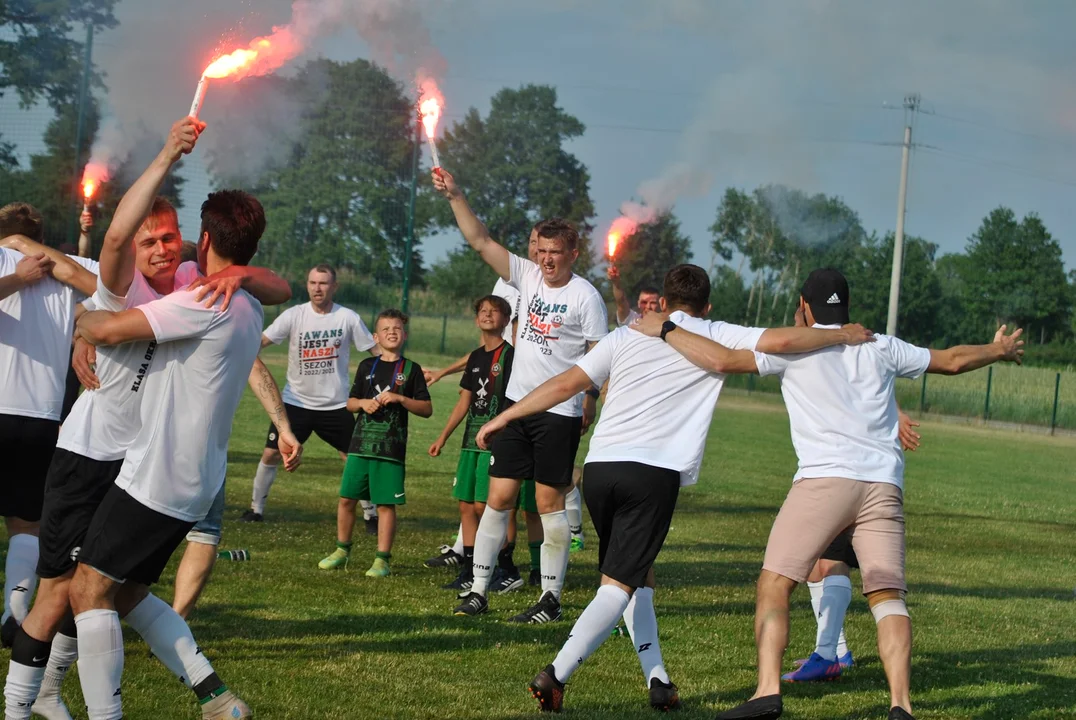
387	389
481	398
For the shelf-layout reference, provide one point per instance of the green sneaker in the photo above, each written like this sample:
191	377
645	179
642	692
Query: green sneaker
336	561
577	544
380	568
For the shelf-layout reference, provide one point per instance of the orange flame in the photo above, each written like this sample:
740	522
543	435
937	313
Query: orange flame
88	189
231	64
430	104
92	178
622	227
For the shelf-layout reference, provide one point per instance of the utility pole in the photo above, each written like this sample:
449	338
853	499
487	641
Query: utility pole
911	106
83	92
409	241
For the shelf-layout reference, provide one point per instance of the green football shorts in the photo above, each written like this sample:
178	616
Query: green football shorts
374	479
471	483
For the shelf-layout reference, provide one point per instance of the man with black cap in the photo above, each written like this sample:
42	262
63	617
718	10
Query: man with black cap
843	415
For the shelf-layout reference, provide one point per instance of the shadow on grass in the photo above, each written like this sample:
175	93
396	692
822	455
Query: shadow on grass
996	519
994	593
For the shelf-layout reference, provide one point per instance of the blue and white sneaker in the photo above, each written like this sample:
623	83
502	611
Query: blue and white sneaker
816	669
846	661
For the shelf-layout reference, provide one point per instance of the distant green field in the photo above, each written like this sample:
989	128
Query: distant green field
991	532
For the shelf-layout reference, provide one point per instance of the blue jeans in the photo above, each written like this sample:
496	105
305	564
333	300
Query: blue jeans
207	531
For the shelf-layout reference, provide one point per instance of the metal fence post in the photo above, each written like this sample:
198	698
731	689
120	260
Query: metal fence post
1057	395
444	331
923	395
87	63
409	240
750	384
989	382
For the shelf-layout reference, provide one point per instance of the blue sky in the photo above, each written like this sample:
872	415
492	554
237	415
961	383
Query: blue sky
702	94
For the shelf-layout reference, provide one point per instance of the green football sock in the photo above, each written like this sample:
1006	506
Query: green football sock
386	556
536	554
345	546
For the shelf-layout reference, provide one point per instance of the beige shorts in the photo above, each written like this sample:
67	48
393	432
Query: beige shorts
817	510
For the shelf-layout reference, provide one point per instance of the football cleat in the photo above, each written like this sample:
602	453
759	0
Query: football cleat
546	610
664	696
547	690
473	604
816	669
446	557
337	560
251	516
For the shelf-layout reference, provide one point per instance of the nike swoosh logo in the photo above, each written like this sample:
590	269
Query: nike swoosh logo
399	495
39	659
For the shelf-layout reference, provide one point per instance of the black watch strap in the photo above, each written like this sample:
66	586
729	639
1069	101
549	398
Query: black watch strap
594	392
667	327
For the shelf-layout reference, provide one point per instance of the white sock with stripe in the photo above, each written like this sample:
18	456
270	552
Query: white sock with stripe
263	481
555	547
642	624
590	630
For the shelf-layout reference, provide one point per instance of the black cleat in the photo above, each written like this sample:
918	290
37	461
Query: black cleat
535	578
473	604
899	713
446	558
251	516
546	610
768	707
8	631
463	582
371	526
547	690
664	697
506	581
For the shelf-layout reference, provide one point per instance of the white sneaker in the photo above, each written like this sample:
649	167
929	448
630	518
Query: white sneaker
50	708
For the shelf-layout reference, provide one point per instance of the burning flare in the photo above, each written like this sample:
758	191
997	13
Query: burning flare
92	178
89	187
430	104
622	228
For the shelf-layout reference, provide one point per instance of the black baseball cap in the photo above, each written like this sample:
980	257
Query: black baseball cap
826	291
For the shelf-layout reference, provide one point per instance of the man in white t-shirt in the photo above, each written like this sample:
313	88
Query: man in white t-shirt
633	481
36	318
561	316
625	314
843	414
176	465
320	334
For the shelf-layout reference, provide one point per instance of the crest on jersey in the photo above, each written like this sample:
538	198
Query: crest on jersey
495	370
401	379
337	343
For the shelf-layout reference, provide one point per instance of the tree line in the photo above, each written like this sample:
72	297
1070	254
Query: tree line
331	152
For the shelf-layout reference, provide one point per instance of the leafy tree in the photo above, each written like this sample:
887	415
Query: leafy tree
1015	275
515	170
644	256
728	296
918	316
339	191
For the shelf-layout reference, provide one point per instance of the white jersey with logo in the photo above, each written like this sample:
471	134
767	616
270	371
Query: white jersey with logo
319	353
631	319
104	422
36	327
200	369
555	325
511	296
658	406
843	409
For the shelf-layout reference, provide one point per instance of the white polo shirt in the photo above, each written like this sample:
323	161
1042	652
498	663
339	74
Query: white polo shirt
511	295
555	325
658	406
842	406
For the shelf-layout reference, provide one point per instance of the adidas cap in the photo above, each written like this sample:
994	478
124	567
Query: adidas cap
826	291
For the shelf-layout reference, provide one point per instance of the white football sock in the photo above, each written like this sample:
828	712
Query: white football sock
21	690
573	506
170	639
591	630
457	547
815	588
100	650
836	596
20	576
63	656
492	529
369	510
263	481
842	645
642	624
555	546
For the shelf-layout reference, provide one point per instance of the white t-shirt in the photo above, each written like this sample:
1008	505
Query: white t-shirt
511	295
658	406
319	353
36	327
633	315
555	325
104	422
200	369
842	407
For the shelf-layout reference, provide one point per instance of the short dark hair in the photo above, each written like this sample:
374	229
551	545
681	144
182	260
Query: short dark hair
649	290
19	218
497	302
559	229
189	252
391	314
687	286
235	221
325	268
162	207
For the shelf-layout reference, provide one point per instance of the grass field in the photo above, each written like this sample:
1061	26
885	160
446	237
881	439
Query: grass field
991	537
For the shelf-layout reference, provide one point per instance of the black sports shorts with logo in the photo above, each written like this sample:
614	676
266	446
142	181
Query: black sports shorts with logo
631	505
74	489
540	447
26	444
333	426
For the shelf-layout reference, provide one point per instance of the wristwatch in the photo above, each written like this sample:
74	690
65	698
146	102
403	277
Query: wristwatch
594	392
667	327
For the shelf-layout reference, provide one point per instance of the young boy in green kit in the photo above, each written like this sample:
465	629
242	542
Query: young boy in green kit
481	398
386	390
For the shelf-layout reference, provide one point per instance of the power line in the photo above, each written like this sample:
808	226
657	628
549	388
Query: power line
991	163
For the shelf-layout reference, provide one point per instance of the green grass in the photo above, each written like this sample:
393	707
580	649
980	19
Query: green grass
991	531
